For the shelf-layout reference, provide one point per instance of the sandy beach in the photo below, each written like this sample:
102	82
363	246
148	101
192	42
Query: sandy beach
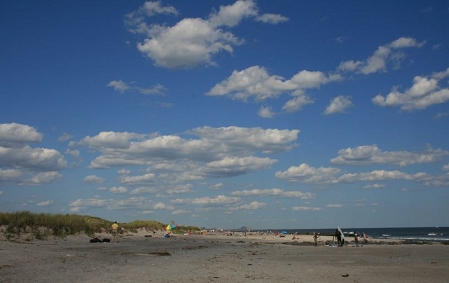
216	257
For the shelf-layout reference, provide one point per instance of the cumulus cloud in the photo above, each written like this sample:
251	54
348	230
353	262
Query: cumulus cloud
255	83
137	179
118	190
22	164
32	158
328	175
307	174
217	200
374	186
218	152
382	56
251	206
192	41
138	203
18	133
234	166
10	175
425	91
371	154
93	179
273	192
43	178
338	105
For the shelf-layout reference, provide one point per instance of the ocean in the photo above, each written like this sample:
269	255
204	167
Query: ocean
435	234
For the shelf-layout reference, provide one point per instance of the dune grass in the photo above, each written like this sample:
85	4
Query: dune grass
61	225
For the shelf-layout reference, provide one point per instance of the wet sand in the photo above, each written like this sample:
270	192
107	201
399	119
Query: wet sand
218	258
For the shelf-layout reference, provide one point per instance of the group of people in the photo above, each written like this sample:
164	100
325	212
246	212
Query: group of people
341	239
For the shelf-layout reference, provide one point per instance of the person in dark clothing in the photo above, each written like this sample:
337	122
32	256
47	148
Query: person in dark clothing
338	236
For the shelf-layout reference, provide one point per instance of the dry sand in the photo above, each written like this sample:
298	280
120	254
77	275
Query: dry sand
218	258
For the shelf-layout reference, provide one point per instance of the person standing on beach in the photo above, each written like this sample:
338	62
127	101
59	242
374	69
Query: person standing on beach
338	236
356	239
114	228
315	238
365	238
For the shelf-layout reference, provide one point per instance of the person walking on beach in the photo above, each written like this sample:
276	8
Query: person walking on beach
114	229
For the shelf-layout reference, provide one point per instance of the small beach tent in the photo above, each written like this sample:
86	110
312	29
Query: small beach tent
171	226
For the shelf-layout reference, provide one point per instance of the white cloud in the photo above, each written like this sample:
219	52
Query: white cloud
217	151
162	206
139	203
334	205
381	175
266	112
272	18
43	178
371	154
124	172
118	190
119	85
381	57
93	179
192	41
180	211
374	186
65	137
273	192
424	92
217	186
251	206
135	21
231	15
179	189
112	140
144	190
217	200
45	203
305	208
327	176
137	179
122	87
255	82
338	105
297	103
234	166
18	133
10	175
32	158
307	174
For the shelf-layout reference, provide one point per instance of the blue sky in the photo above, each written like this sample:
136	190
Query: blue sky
266	114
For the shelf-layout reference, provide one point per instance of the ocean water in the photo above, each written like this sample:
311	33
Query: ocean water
436	234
